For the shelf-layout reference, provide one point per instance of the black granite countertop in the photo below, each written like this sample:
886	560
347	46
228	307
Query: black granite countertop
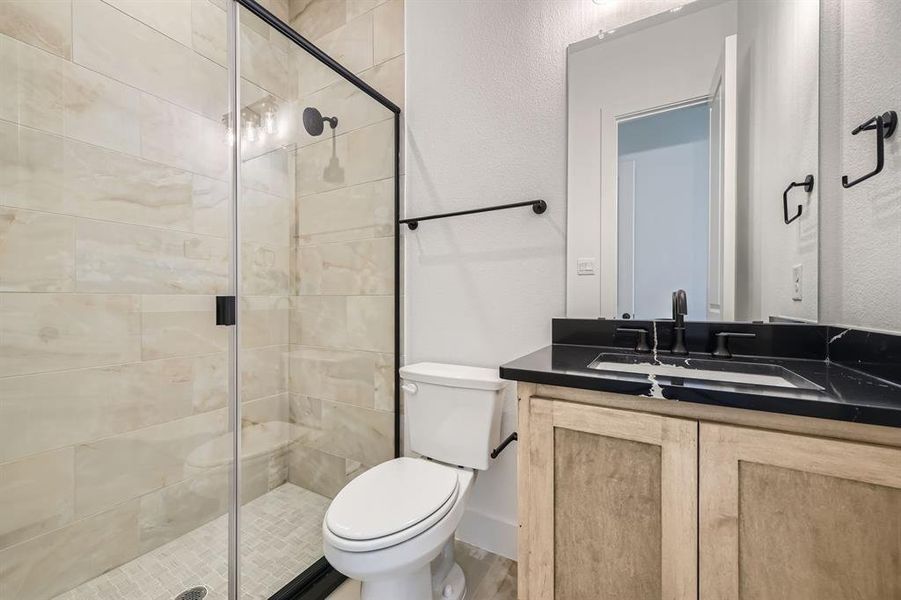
846	392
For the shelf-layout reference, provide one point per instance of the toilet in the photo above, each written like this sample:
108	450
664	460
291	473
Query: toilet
392	528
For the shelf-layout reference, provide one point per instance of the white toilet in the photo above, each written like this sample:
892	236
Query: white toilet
393	527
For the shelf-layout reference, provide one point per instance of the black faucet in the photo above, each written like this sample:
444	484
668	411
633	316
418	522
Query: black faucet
680	309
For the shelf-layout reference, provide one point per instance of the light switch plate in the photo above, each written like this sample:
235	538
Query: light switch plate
584	266
797	287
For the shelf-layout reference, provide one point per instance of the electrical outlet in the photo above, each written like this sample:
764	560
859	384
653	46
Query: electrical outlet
797	279
584	266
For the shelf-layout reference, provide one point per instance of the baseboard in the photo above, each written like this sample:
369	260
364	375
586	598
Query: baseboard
489	533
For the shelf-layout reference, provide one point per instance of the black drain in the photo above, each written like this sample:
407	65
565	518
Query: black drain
195	593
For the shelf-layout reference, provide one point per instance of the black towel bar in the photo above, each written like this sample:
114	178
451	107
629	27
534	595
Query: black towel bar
538	207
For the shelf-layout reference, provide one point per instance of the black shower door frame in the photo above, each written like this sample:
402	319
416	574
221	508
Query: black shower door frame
320	579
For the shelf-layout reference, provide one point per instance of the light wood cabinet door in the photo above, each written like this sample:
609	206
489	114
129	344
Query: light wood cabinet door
608	504
791	517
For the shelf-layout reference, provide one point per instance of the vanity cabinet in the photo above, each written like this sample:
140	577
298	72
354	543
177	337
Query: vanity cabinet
792	516
625	504
611	502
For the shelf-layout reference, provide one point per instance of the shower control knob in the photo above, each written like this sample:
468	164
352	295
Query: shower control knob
410	388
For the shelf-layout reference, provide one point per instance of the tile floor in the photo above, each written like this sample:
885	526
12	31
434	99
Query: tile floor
282	536
488	576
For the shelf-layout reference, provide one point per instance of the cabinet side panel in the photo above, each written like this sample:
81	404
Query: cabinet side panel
607	517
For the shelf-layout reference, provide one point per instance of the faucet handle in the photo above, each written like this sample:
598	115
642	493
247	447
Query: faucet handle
641	344
722	342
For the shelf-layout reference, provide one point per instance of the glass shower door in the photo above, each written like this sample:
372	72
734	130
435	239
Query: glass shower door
115	450
316	222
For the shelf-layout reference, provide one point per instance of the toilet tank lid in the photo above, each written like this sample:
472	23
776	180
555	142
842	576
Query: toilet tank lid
461	376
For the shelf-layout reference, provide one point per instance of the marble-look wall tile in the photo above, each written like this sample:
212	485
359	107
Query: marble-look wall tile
266	62
259	412
47	24
356	433
81	405
177	509
272	173
352	213
312	74
45	566
264	372
319	321
61	97
103	184
280	8
37	495
110	42
210	382
370	323
388	30
266	218
314	18
115	469
355	8
347	268
339	375
388	78
304	410
180	326
30	164
265	270
265	320
175	136
43	171
209	31
170	17
37	251
370	152
211	204
322	166
384	382
359	156
118	258
51	332
9	70
317	471
351	43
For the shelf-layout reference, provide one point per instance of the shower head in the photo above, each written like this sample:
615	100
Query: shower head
313	121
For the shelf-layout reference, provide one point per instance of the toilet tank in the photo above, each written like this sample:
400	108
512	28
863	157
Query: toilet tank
453	412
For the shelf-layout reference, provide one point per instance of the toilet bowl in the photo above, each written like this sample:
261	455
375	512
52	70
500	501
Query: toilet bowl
389	525
392	528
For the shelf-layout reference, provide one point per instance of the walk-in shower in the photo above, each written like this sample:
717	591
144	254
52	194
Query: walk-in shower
156	176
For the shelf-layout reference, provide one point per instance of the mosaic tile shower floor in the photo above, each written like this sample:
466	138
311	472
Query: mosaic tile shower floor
282	536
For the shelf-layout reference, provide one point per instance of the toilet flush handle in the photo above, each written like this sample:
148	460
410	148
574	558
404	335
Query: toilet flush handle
410	388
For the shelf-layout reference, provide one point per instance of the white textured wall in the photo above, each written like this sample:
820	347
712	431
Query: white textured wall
778	93
860	249
486	124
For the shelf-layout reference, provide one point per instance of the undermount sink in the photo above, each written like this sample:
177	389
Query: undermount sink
721	371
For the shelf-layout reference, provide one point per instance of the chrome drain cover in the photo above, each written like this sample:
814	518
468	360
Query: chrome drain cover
195	593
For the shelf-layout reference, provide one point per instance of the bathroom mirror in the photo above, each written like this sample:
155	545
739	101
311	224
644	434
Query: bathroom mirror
692	164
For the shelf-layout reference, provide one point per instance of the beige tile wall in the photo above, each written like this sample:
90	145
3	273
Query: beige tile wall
113	243
341	380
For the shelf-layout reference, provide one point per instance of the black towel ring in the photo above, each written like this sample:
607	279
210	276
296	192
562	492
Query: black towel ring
807	184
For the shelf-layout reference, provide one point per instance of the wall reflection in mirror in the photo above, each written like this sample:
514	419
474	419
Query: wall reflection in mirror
692	135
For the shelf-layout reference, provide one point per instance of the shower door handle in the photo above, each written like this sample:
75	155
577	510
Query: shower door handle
225	310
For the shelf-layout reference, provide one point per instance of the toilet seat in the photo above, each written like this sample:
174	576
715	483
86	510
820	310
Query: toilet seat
391	503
